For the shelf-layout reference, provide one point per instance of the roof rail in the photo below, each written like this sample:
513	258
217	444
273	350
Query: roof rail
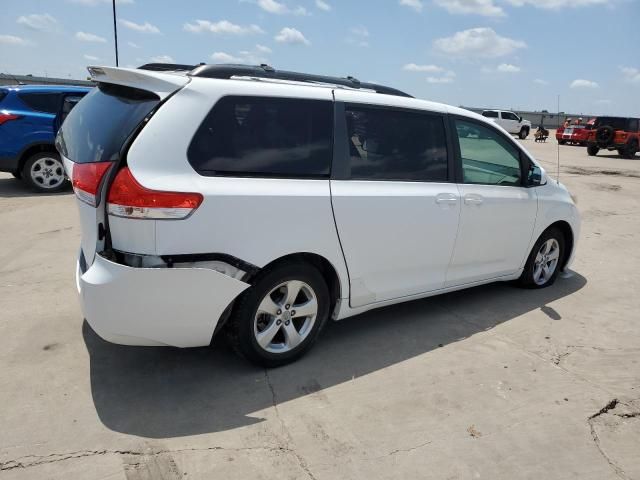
168	67
266	71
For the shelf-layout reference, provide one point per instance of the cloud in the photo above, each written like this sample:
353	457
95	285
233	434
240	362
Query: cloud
91	58
631	74
447	77
581	83
507	68
557	4
278	8
162	59
486	8
245	57
145	27
539	81
41	22
263	48
90	37
415	4
412	67
13	40
477	42
359	36
222	27
133	45
291	36
322	5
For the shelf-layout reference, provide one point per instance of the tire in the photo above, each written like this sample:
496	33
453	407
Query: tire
524	132
592	150
16	175
44	173
280	343
604	135
630	151
562	142
551	245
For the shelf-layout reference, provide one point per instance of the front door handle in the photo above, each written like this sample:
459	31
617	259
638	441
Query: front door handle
473	199
446	199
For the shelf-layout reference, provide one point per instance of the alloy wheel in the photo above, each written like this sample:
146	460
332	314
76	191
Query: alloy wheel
546	261
47	173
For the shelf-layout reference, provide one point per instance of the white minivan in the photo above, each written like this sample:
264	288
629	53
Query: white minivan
268	202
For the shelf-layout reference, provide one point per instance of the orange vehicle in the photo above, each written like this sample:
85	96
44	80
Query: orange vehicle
615	133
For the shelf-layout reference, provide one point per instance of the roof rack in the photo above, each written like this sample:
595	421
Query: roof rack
268	72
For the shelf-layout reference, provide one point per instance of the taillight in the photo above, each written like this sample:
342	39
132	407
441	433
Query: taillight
7	117
86	179
127	198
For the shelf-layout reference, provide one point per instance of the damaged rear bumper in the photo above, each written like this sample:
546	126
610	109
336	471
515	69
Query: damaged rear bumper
154	306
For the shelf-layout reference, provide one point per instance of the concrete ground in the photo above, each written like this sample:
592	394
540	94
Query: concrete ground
494	382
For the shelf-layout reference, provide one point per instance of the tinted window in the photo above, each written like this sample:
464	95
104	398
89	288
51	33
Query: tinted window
387	144
487	157
3	93
264	136
490	114
100	123
42	102
633	125
509	116
618	123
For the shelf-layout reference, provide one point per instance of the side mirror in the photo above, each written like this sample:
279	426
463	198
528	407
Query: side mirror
535	178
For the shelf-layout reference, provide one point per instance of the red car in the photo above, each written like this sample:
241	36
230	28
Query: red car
574	134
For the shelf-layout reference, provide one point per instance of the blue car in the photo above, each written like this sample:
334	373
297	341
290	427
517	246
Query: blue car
30	116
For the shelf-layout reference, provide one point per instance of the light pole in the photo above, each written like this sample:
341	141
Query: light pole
115	30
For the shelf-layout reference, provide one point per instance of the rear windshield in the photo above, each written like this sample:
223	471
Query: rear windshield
101	122
618	123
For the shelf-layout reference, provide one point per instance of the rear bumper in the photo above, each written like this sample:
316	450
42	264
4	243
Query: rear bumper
177	307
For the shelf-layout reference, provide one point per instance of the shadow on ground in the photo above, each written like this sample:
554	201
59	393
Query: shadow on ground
13	187
166	392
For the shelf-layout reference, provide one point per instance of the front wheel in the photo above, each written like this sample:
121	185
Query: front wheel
44	172
562	142
543	264
278	319
592	150
523	133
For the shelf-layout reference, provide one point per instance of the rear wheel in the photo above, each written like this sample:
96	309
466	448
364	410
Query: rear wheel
44	172
279	318
592	150
543	264
631	150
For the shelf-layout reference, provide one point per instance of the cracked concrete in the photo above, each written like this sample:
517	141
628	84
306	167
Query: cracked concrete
495	382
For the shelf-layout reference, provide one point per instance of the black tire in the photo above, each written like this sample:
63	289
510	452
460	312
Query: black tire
604	135
592	150
562	142
527	279
630	151
16	175
56	166
524	133
241	331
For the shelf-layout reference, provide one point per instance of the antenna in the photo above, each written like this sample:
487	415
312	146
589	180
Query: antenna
558	174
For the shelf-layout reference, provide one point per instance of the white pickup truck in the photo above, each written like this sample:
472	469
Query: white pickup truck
510	121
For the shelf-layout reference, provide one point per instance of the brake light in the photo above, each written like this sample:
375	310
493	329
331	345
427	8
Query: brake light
86	179
7	117
127	198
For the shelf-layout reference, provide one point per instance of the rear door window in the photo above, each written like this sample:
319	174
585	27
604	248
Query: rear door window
490	114
264	136
393	144
42	102
98	126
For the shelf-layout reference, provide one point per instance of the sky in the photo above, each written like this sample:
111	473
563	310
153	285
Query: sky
514	54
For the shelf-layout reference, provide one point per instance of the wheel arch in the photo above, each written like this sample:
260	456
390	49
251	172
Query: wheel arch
569	239
324	266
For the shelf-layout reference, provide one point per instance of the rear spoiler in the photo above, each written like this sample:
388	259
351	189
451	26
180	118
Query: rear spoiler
162	84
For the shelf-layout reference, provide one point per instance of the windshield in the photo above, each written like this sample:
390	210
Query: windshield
98	126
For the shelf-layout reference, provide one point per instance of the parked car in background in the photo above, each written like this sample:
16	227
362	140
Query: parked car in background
275	201
510	121
30	115
615	133
574	134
